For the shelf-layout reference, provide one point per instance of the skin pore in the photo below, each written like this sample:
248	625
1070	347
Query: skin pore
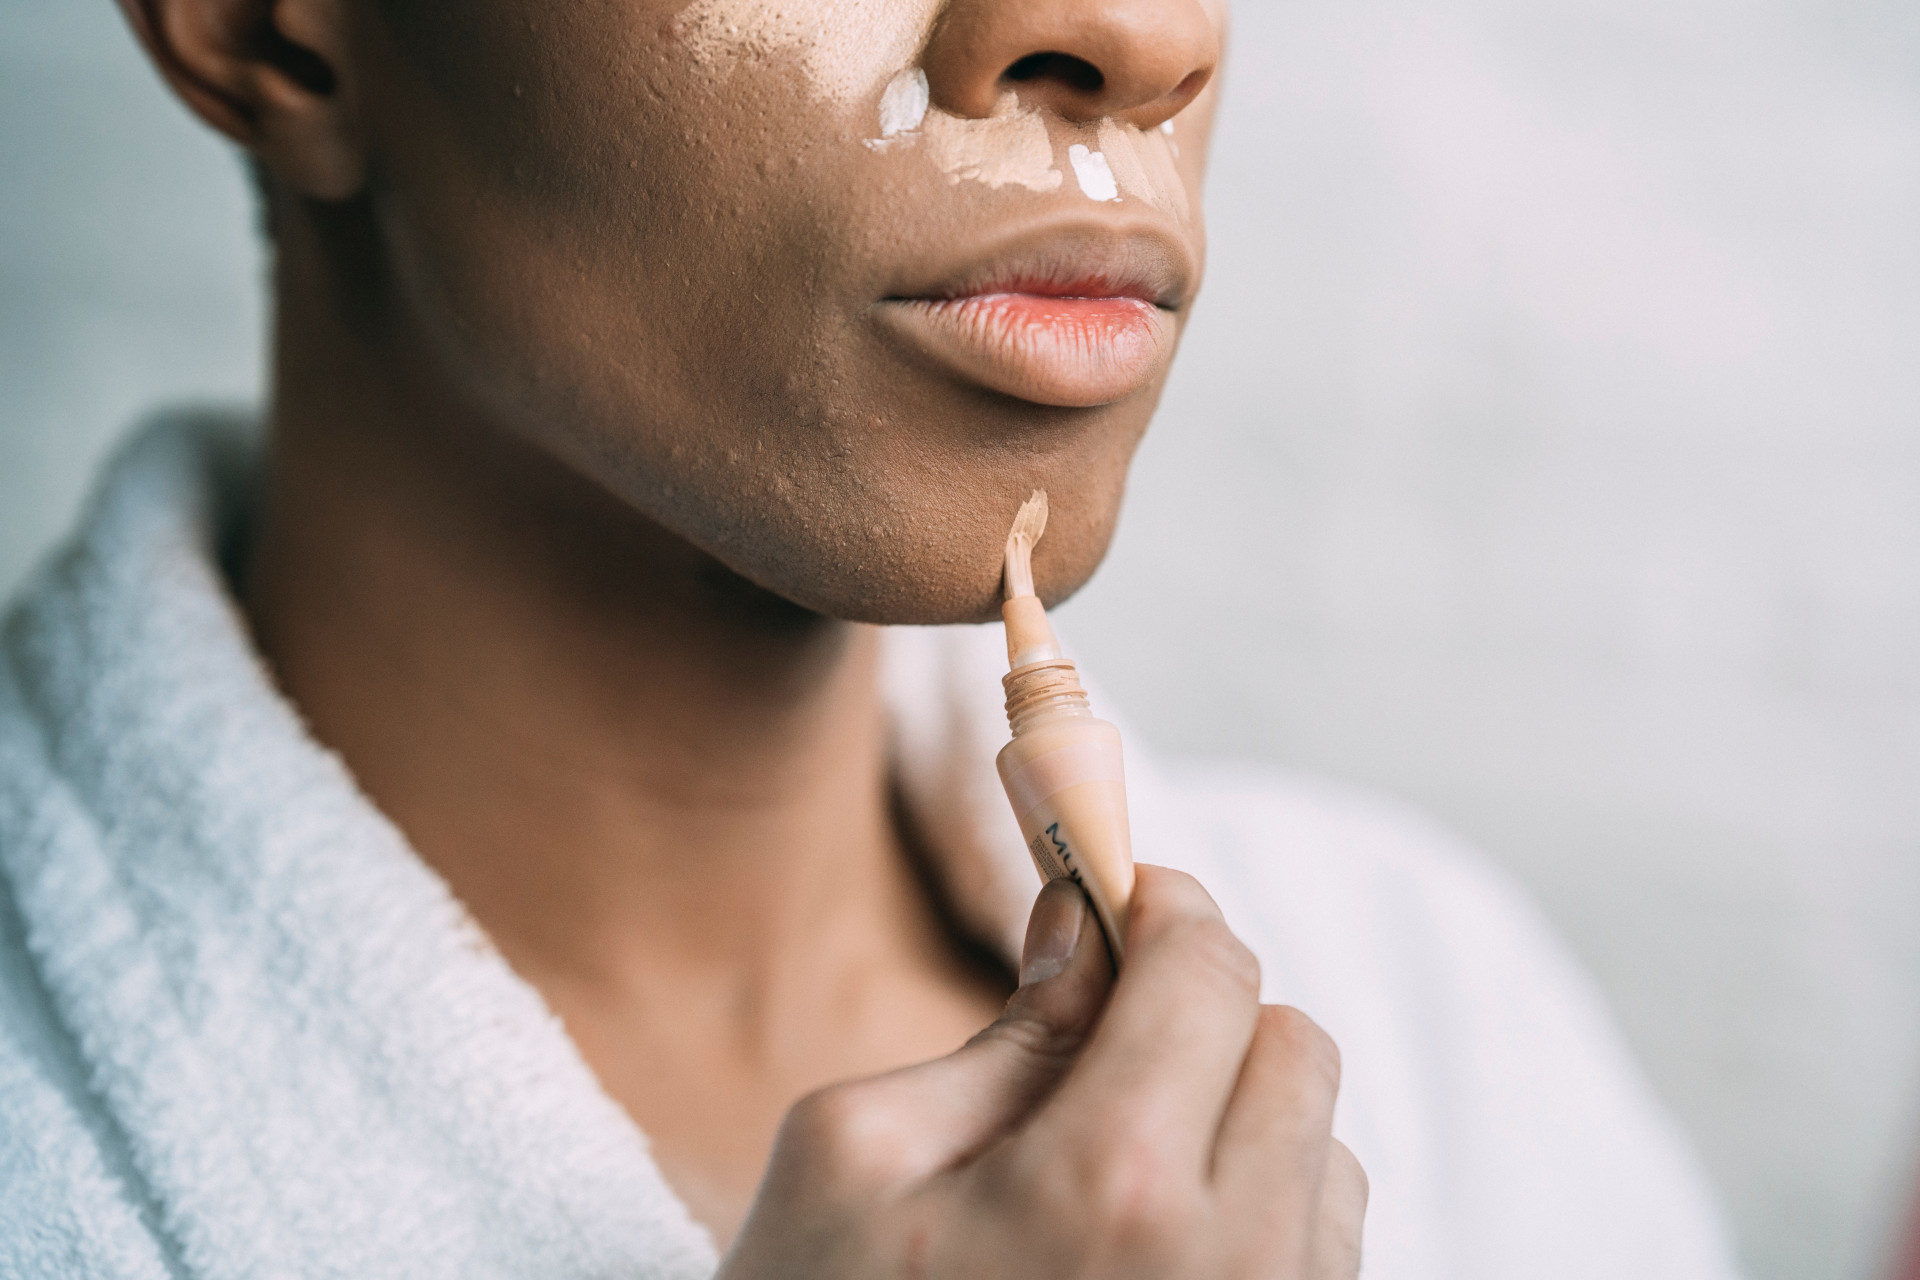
618	388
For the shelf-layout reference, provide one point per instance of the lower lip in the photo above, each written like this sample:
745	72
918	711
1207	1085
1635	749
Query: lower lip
1074	352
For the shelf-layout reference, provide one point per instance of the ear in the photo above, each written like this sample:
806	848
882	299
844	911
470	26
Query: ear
272	75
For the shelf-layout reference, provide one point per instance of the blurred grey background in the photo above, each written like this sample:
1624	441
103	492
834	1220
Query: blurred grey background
1552	421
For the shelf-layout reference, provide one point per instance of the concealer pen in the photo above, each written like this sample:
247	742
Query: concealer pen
1062	771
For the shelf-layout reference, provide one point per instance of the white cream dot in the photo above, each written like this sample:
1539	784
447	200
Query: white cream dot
903	104
1096	178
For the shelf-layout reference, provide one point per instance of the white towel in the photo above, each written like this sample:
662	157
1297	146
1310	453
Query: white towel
246	1032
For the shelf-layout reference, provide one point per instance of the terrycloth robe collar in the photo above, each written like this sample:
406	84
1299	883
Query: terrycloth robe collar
318	1064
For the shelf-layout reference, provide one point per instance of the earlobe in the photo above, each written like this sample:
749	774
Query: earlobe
271	75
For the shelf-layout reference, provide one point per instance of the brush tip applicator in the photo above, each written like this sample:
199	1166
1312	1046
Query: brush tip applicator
1062	771
1029	635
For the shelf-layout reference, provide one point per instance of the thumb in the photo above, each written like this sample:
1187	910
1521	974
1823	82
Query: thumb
1065	970
961	1103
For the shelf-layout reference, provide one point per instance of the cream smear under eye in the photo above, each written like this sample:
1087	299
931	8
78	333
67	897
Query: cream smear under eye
1142	165
846	48
1010	148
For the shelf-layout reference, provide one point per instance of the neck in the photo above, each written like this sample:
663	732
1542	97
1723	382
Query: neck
661	790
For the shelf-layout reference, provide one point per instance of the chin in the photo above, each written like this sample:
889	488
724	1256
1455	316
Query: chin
924	563
883	495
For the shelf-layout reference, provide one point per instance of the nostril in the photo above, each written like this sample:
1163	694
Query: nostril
1062	68
1139	62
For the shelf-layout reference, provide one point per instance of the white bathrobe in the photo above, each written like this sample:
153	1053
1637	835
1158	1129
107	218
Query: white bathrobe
245	1032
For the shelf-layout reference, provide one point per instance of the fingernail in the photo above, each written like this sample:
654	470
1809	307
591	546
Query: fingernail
1053	934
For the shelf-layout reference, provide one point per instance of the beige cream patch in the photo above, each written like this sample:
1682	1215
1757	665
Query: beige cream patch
848	49
1142	164
1159	154
1120	144
1010	148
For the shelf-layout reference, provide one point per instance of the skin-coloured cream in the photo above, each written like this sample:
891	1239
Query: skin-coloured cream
1142	165
1009	148
846	48
851	49
1062	771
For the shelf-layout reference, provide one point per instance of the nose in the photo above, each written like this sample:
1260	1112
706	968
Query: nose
1136	60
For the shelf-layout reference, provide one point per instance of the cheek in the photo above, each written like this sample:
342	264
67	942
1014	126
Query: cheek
654	260
845	49
596	227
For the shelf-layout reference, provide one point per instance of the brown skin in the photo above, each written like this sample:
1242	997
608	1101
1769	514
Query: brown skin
590	460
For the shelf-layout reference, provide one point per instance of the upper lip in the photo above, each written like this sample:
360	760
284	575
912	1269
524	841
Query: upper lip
1073	261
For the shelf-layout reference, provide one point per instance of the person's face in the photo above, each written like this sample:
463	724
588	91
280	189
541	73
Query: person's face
720	257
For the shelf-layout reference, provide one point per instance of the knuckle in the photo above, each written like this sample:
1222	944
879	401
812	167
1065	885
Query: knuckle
1213	946
818	1123
1347	1173
1165	883
1162	896
1343	1212
1307	1041
1146	1210
844	1134
1190	925
1031	1035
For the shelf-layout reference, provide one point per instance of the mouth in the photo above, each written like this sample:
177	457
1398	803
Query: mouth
1077	323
